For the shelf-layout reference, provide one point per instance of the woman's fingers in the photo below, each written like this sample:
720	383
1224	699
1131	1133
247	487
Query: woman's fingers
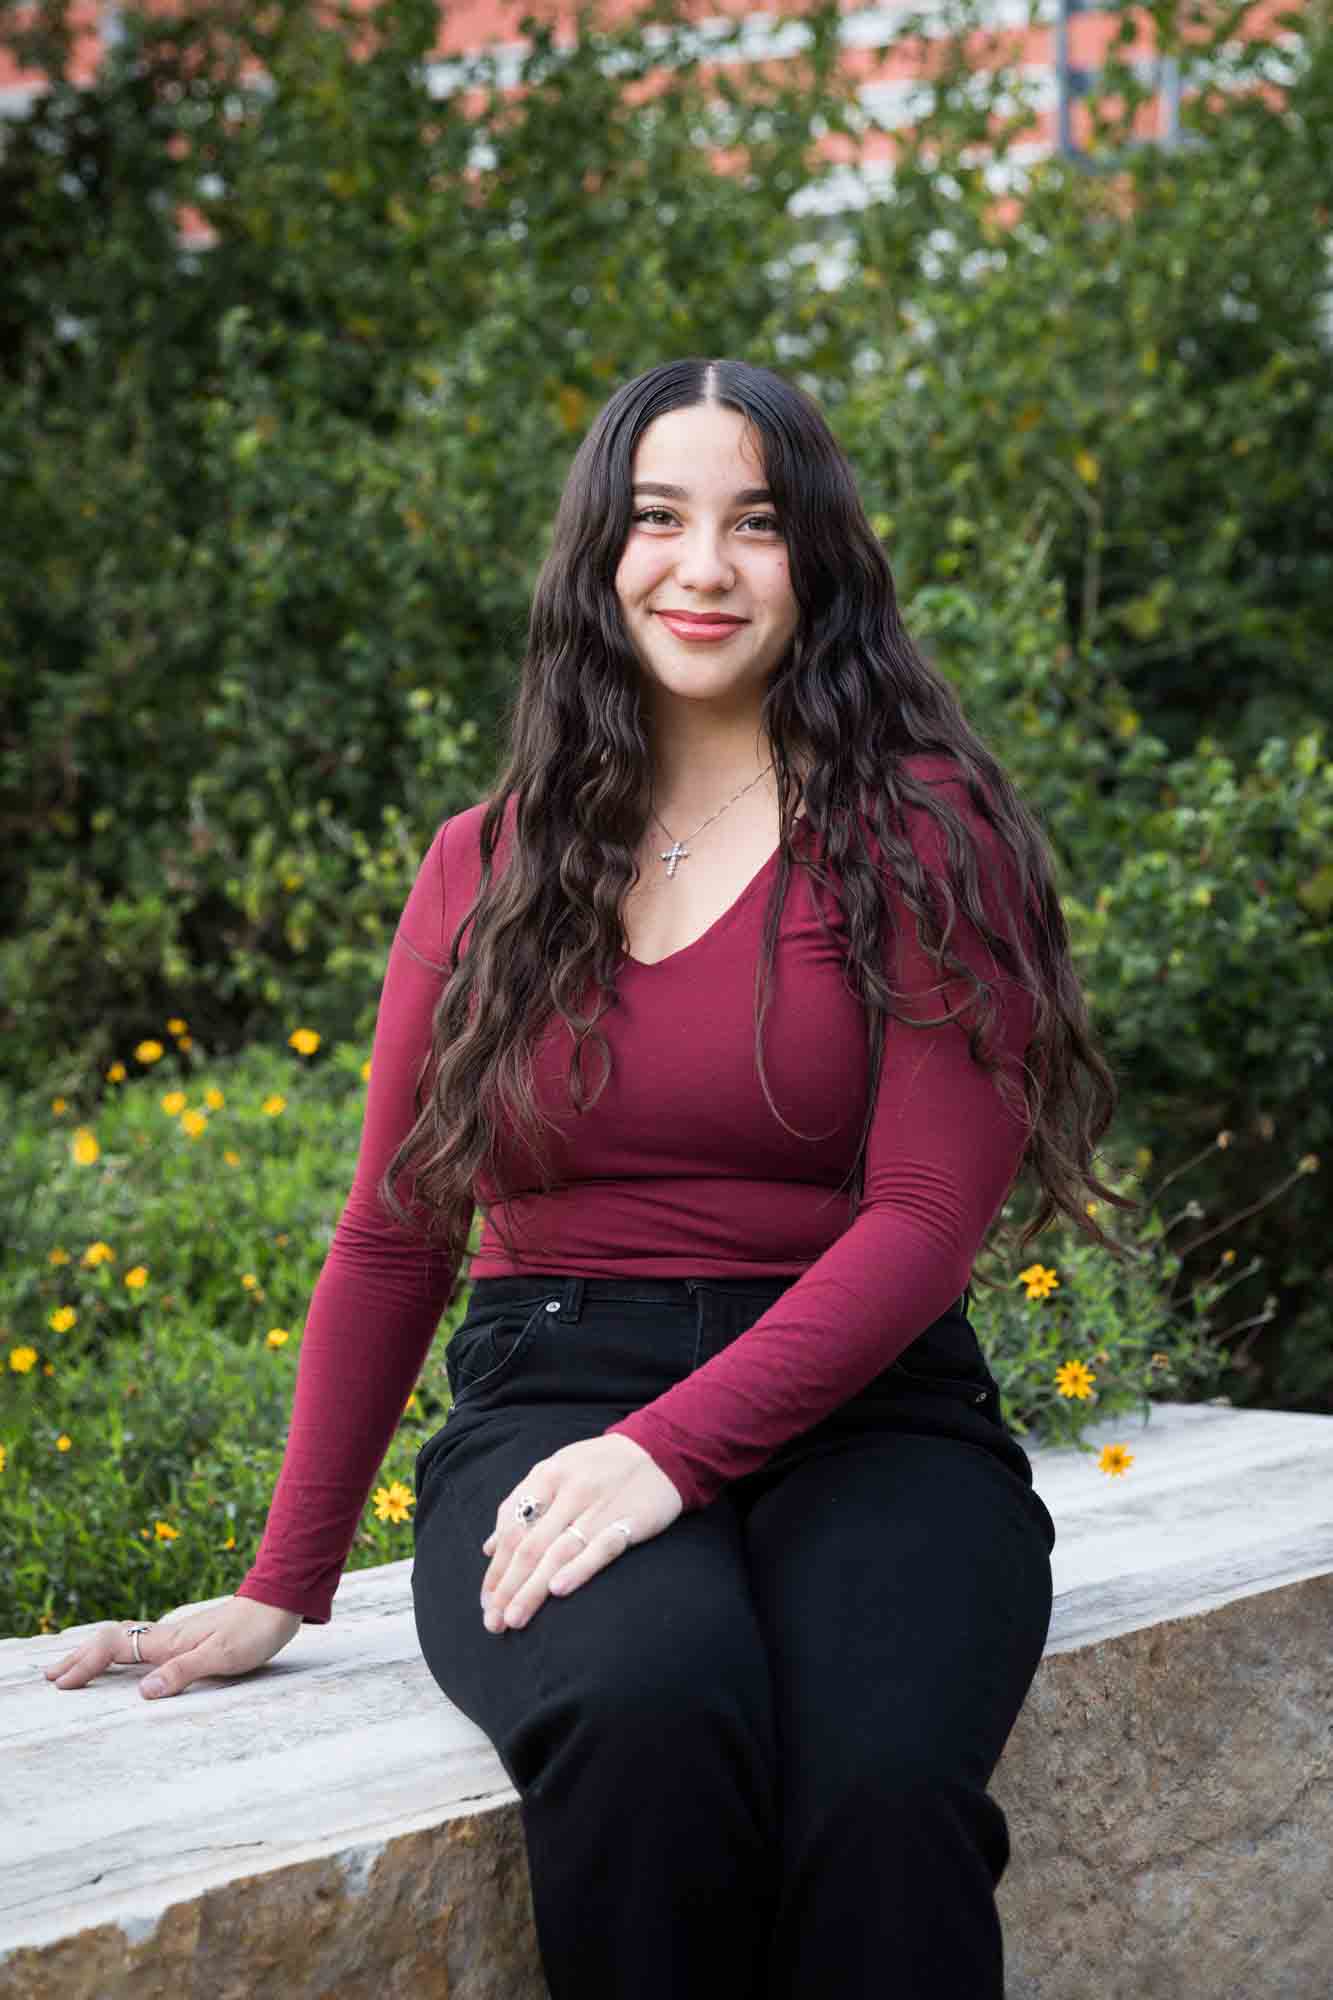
566	1557
231	1638
591	1484
190	1663
103	1648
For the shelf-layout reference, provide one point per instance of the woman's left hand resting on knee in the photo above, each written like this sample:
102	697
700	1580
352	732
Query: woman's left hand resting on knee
591	1484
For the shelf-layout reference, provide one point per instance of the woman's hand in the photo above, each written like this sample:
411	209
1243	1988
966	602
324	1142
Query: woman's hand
230	1638
592	1484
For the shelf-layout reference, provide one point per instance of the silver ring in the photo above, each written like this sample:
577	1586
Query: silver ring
134	1631
529	1508
625	1530
572	1530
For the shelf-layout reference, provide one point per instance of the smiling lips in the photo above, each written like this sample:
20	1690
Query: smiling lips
694	626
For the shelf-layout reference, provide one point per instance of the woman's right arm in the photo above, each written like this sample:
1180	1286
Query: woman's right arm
373	1314
376	1304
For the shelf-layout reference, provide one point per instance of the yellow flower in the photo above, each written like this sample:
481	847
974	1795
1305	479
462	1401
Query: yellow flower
1115	1459
1039	1281
1161	1361
57	1256
149	1052
1143	1158
177	1026
278	1336
195	1123
1091	1207
274	1105
59	1106
165	1533
1075	1379
214	1099
85	1147
365	1072
1308	1163
304	1040
230	1542
137	1278
48	1368
174	1103
116	1073
62	1319
232	1159
98	1253
184	1042
21	1359
249	1280
4	1458
282	1241
1228	1256
393	1501
63	1442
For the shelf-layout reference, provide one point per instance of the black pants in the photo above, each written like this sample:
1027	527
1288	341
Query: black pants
752	1752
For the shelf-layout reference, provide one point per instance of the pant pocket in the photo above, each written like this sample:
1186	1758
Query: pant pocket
946	1360
485	1351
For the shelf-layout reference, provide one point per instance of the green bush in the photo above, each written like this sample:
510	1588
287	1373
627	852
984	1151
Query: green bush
167	1366
273	510
153	1289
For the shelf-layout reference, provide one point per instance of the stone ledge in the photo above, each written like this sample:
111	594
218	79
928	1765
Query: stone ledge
1168	1785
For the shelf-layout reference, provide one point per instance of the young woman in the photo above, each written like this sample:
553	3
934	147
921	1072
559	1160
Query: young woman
736	1011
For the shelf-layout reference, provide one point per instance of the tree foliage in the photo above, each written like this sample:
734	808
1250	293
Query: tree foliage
276	495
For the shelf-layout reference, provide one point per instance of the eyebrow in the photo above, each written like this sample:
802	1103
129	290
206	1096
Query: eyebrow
748	496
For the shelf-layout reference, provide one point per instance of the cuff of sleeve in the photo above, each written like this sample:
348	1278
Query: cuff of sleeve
311	1610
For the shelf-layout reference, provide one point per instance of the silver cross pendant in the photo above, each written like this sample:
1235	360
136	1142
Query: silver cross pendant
673	854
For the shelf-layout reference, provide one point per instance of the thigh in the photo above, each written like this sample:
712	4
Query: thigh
665	1635
904	1588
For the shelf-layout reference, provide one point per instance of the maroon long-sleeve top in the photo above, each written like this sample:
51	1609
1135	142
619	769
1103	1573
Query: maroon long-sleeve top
679	1169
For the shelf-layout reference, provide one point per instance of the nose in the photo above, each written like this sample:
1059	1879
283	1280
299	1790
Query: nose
702	562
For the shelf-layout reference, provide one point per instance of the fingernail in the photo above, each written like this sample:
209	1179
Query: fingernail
153	1685
514	1616
485	1600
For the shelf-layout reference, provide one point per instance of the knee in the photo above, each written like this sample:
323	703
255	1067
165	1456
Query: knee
922	1809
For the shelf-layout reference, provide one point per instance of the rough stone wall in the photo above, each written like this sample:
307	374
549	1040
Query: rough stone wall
1170	1802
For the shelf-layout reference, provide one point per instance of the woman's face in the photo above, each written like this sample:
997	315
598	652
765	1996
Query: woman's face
711	544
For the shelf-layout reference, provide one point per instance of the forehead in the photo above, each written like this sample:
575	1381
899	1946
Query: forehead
703	447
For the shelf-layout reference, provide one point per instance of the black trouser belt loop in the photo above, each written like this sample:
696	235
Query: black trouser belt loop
571	1297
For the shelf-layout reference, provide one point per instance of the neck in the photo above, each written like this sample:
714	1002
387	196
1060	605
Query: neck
698	764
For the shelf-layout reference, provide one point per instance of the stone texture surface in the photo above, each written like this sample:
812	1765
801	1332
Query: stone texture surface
1170	1803
331	1827
438	1913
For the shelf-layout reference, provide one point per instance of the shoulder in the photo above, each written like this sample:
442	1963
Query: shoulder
457	842
967	816
954	796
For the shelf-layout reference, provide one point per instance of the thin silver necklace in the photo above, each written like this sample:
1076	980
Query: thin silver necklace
677	851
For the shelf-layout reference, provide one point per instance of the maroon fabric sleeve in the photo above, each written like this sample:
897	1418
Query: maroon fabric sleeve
942	1155
375	1306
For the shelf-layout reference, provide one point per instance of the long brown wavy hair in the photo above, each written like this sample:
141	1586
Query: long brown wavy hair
849	702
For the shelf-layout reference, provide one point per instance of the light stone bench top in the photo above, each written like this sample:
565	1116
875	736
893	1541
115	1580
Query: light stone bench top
116	1808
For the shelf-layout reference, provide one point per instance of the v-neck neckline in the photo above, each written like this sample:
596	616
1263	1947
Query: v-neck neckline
760	875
